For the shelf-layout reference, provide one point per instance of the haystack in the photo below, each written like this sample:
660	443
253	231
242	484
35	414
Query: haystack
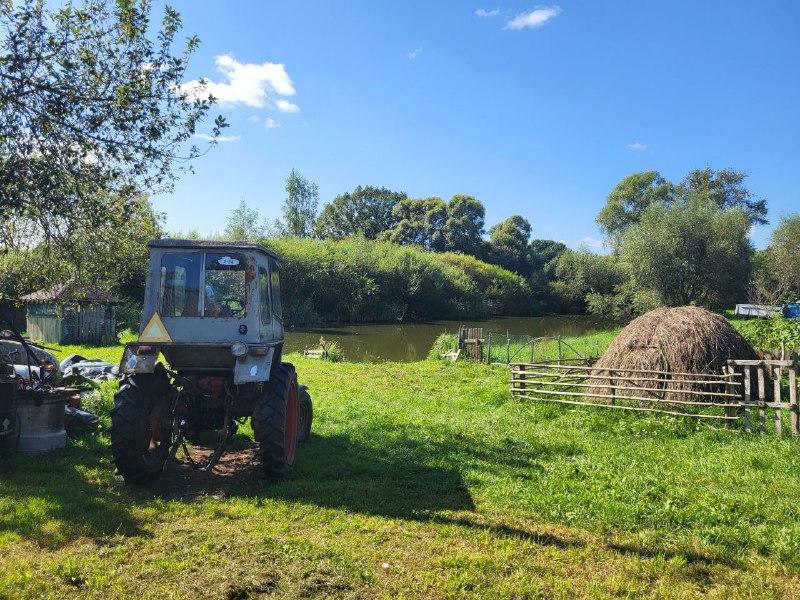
686	339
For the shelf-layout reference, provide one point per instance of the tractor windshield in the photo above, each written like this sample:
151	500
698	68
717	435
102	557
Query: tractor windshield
223	282
226	285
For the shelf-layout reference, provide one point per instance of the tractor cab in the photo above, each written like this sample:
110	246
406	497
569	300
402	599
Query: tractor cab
210	305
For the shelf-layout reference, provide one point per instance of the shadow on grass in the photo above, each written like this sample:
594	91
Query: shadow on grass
53	498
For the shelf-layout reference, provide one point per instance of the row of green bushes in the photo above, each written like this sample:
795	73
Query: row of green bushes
770	334
357	280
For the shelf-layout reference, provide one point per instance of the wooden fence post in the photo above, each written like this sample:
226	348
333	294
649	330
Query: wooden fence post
508	348
761	400
776	388
730	389
559	349
748	413
793	400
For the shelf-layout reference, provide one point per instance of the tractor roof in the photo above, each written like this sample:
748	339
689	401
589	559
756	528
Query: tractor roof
210	245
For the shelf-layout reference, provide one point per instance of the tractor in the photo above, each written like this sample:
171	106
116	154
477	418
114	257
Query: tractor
213	311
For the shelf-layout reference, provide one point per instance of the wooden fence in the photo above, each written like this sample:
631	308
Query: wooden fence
732	396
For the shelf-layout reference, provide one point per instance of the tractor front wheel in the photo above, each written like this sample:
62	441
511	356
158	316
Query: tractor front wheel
276	421
141	426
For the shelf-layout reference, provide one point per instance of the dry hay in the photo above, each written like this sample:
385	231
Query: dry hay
686	339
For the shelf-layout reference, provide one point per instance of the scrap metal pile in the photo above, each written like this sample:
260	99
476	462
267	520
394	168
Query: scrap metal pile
40	399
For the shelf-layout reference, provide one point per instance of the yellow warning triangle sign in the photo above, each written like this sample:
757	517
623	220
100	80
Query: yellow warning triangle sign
155	331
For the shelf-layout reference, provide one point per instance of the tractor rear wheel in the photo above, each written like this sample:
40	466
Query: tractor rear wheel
141	426
306	414
276	420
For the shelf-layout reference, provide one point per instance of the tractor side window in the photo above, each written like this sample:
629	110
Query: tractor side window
276	290
263	292
180	284
226	285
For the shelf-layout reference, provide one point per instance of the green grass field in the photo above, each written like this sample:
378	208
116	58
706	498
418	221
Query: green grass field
421	480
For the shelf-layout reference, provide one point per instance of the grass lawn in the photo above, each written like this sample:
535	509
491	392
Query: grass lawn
420	480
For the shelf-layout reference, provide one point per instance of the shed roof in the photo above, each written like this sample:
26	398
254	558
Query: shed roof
210	244
71	291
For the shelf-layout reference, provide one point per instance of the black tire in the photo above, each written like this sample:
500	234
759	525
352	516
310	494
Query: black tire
138	452
275	421
306	414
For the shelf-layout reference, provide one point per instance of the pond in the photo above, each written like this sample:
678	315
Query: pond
406	342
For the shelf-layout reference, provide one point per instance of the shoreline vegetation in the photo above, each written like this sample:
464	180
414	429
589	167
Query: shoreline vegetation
367	281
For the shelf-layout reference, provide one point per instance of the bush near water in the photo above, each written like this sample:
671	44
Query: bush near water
362	281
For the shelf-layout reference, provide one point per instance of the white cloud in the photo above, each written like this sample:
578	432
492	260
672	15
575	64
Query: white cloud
250	84
590	242
253	118
271	123
487	13
415	53
286	106
535	18
221	138
638	146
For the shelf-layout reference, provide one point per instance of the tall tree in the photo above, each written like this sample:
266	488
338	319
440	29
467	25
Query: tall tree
629	199
778	275
508	244
419	222
366	211
90	102
300	205
245	223
544	254
690	252
463	228
726	189
111	257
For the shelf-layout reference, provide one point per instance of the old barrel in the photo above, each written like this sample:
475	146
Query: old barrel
41	420
8	415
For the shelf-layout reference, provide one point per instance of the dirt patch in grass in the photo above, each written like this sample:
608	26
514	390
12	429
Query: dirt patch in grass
235	470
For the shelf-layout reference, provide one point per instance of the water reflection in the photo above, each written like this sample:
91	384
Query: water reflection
412	341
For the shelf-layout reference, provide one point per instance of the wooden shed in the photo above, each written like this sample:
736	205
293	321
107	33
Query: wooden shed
68	313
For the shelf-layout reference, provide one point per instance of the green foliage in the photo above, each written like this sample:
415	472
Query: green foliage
419	222
245	223
359	280
463	228
726	189
300	206
630	198
777	272
112	256
439	226
622	304
365	211
690	252
580	273
101	401
331	351
508	244
770	334
92	97
446	342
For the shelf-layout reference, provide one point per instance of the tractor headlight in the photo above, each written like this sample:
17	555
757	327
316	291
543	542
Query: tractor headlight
239	349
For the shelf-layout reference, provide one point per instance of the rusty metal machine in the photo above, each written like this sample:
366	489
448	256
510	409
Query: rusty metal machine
213	311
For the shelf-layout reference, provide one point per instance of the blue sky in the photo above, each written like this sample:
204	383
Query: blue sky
535	110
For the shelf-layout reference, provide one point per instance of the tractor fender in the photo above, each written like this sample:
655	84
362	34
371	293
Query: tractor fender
253	369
